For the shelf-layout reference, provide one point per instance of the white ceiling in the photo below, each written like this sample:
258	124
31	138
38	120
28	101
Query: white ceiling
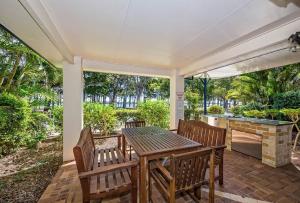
180	34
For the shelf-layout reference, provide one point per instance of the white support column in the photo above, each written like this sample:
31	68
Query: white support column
73	102
176	98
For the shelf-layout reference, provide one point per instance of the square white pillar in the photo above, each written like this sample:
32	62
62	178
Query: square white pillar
176	99
73	106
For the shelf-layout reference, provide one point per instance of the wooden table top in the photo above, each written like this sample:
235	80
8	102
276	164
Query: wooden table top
153	140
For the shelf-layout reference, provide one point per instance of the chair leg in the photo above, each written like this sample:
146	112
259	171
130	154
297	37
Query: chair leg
197	192
150	187
221	172
130	152
119	143
86	201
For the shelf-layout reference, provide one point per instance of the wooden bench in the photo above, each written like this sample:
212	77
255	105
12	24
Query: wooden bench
103	173
211	136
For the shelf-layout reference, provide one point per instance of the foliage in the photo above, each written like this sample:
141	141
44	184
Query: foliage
155	113
14	121
293	114
273	113
192	109
236	110
290	99
29	85
124	115
255	113
37	129
101	118
221	89
215	109
100	86
252	106
57	114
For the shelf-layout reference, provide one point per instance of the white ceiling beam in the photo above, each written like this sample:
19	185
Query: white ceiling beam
40	15
100	66
264	37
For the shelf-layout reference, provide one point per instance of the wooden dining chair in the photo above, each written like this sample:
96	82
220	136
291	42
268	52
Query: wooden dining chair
186	172
133	124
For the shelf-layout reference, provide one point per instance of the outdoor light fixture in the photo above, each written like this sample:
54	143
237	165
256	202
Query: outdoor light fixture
294	41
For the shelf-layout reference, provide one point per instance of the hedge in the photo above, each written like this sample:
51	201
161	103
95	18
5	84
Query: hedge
289	99
102	119
155	113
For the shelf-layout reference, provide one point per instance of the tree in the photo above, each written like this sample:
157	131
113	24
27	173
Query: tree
221	89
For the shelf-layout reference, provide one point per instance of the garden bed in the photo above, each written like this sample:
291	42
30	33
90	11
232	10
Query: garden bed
25	174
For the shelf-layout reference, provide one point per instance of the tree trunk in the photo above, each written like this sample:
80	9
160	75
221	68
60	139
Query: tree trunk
129	101
124	102
113	98
2	73
13	72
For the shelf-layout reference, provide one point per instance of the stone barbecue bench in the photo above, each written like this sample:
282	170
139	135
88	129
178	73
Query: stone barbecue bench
275	137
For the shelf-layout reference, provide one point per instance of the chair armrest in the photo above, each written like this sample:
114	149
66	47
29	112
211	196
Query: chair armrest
172	129
98	136
106	169
217	148
163	170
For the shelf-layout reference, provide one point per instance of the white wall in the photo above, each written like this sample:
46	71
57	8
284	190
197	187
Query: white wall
72	102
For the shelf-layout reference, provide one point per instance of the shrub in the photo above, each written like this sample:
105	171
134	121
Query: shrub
252	106
38	128
255	113
293	114
187	114
124	115
57	114
287	100
14	120
273	113
198	112
155	113
236	110
193	113
101	118
215	109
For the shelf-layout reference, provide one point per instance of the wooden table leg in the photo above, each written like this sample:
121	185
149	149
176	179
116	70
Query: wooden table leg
144	179
124	146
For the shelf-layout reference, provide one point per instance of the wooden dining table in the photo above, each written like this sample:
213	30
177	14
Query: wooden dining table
151	143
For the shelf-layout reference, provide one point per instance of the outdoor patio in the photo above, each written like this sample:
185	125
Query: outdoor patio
179	41
246	179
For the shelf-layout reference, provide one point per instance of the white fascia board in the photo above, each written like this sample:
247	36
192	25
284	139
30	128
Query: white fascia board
100	66
273	35
40	15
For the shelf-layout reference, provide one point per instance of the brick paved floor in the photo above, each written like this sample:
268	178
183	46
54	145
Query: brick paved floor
246	180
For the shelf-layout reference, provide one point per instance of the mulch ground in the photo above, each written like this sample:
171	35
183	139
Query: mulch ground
25	174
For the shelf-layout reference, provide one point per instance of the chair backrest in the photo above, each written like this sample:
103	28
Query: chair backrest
189	168
184	129
84	151
135	124
208	135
